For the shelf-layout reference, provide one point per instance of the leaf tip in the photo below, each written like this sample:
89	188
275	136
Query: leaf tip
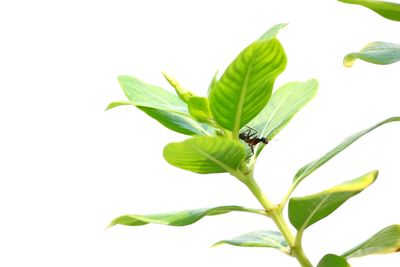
111	224
166	75
217	244
121	78
108	107
348	60
374	174
272	32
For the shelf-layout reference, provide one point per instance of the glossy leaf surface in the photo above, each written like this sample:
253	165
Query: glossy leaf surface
246	85
377	53
206	154
331	260
283	105
387	10
179	218
385	241
314	165
263	238
164	106
305	211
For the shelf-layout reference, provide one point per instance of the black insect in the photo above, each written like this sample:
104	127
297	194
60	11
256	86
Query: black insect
249	136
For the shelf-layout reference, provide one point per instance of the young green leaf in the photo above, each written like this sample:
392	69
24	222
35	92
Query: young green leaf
273	32
177	122
387	10
314	165
182	92
199	108
212	83
143	94
283	105
305	211
246	85
385	241
331	260
161	105
117	104
377	53
263	238
179	218
206	154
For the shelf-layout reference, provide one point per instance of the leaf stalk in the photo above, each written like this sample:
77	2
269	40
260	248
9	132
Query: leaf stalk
275	213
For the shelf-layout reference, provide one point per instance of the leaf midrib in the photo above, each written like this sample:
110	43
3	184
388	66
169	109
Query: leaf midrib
317	208
236	126
213	159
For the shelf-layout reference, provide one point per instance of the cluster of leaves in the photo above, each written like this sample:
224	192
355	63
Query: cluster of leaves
242	97
377	52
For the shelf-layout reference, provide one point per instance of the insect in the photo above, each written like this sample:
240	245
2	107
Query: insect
249	136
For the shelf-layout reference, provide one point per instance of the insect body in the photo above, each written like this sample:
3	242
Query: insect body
249	136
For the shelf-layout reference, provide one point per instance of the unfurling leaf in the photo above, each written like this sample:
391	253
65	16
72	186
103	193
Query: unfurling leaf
206	154
199	108
385	241
182	92
246	85
377	53
307	210
179	218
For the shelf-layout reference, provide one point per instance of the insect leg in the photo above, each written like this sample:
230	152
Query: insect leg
249	132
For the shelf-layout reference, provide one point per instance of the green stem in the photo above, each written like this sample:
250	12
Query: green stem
288	194
301	257
275	213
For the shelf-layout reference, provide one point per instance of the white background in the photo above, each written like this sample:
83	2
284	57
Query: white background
68	168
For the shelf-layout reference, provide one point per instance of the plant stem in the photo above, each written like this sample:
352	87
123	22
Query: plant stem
288	194
275	213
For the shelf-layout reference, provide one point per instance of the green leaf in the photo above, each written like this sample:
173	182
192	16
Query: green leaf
283	105
387	10
331	260
385	241
179	218
182	92
199	107
273	32
305	211
213	82
147	95
314	165
206	154
263	238
117	104
246	85
377	53
177	122
161	105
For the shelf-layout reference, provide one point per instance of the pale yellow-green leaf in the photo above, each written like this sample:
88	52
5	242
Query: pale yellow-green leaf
385	241
262	238
307	210
377	53
206	154
182	92
178	218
